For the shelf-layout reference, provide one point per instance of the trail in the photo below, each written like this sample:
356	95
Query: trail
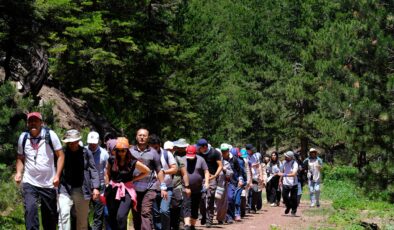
274	218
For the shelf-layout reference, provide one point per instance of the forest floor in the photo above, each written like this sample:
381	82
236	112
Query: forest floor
274	218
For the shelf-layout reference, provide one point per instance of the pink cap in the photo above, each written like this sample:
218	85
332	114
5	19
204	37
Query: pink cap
34	114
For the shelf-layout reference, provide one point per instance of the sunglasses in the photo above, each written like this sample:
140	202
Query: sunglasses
121	150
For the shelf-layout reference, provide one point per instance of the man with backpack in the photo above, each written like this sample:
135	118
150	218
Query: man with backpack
313	166
39	171
161	206
100	156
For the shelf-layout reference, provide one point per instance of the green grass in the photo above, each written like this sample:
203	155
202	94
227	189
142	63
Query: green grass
351	205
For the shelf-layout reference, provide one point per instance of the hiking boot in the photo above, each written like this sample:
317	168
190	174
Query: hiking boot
203	221
192	227
287	210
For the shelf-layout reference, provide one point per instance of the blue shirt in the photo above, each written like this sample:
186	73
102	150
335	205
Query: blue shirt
100	156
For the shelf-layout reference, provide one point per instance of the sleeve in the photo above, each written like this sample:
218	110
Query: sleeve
204	165
57	145
94	176
171	159
320	161
20	147
156	161
295	167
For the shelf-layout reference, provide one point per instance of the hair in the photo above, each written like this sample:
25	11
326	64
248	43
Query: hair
154	139
277	158
129	157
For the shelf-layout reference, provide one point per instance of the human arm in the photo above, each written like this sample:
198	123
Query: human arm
206	176
143	169
94	176
59	167
186	183
220	168
19	168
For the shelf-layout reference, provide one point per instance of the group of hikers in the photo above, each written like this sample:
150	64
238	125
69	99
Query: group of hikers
164	186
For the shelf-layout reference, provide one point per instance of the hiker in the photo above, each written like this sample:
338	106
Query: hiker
255	196
313	166
80	182
198	174
145	187
246	172
214	162
273	190
39	173
181	184
289	183
169	146
161	206
236	181
100	156
221	198
122	170
300	176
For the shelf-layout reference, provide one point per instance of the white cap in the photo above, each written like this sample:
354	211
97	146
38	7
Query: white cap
93	138
168	145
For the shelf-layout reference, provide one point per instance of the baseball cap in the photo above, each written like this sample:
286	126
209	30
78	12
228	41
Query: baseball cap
224	147
34	114
191	152
202	142
93	138
122	143
249	147
168	145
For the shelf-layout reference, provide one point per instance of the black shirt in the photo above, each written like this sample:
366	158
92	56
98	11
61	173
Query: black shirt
211	158
124	173
74	167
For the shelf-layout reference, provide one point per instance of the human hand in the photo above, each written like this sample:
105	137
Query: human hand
18	178
56	181
164	194
188	192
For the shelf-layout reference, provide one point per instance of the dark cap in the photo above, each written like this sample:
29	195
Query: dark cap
249	147
202	142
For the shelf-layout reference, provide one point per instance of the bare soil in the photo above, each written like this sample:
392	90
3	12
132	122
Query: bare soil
274	218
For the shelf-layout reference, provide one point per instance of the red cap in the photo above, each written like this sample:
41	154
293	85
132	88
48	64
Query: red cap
34	114
191	151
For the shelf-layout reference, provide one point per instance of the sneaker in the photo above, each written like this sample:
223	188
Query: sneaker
220	222
230	221
293	213
277	203
287	210
238	218
317	204
312	205
187	227
208	225
192	227
273	205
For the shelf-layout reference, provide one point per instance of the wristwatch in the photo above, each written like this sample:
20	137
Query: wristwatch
187	186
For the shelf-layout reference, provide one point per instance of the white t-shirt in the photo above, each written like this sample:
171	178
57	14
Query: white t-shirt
39	167
171	161
290	167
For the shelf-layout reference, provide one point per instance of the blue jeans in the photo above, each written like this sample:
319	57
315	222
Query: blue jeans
49	215
161	211
314	191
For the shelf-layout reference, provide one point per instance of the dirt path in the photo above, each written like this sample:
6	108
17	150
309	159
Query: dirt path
274	218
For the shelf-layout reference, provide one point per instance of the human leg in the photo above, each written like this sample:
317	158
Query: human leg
30	198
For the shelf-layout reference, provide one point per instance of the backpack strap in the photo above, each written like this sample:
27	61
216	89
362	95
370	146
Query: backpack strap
48	139
165	153
26	135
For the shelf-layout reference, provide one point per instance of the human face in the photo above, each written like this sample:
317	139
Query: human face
93	147
155	147
142	137
313	154
250	152
73	146
180	151
225	154
34	125
121	152
203	149
273	157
